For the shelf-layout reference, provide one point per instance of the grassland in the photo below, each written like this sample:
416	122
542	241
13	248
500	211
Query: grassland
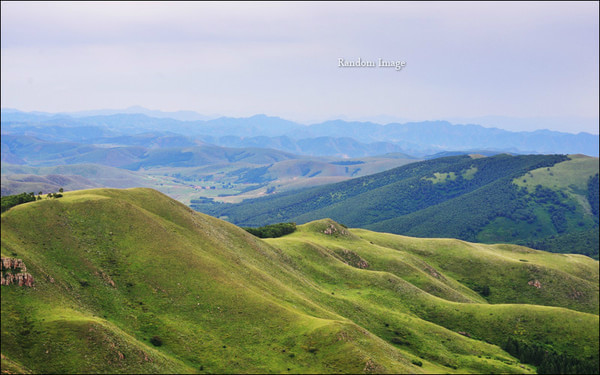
115	268
562	176
569	177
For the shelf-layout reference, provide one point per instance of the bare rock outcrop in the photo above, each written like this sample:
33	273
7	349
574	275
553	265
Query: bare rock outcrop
371	367
535	283
14	271
331	229
13	264
351	258
433	272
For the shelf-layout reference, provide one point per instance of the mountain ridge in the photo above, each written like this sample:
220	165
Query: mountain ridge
414	137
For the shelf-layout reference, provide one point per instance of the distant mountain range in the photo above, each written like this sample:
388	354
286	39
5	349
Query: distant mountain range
338	138
177	115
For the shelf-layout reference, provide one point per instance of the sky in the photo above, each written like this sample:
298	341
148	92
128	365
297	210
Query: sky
513	65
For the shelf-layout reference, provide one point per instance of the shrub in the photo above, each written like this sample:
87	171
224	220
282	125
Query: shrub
547	360
156	341
399	341
273	231
417	363
483	290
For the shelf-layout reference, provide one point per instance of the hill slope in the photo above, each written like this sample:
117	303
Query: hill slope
118	272
484	199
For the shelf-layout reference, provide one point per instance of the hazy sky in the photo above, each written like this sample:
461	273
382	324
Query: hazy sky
463	60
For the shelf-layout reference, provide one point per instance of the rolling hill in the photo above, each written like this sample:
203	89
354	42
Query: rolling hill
38	152
131	281
184	169
537	200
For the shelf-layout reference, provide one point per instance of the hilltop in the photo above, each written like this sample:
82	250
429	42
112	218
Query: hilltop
131	281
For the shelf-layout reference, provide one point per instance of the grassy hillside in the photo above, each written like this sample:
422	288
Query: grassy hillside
532	200
118	272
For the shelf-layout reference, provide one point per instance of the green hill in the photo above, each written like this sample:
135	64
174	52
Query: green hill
131	281
546	201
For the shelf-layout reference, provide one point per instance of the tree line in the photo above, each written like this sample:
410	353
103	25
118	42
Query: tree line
10	201
547	360
273	230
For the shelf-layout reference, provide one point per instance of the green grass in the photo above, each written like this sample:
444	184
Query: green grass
443	177
570	176
113	268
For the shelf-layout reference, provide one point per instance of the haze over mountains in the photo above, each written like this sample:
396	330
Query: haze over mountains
416	138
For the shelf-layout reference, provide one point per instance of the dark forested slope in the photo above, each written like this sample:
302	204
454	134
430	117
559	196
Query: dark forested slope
468	197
